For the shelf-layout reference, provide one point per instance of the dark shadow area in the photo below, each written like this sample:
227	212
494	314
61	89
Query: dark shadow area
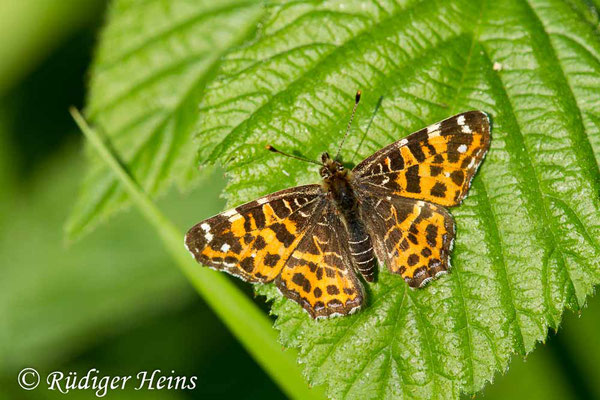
569	367
38	106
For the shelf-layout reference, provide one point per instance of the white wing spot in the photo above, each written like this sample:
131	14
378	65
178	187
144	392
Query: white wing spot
426	281
466	129
402	142
208	236
225	247
229	213
462	148
235	218
460	120
440	273
353	310
262	200
433	128
447	174
205	227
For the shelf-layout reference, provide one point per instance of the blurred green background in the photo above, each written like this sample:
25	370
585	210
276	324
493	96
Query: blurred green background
114	301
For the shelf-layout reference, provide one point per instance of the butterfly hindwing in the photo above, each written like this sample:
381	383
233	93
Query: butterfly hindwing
434	164
413	237
319	273
254	240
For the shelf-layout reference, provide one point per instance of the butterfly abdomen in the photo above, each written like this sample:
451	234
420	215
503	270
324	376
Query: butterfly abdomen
359	241
361	247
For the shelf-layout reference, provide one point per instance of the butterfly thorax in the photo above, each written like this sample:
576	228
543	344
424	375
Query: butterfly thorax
337	185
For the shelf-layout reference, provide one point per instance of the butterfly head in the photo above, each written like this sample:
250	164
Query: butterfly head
331	168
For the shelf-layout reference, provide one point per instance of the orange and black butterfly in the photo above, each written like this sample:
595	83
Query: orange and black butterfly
316	240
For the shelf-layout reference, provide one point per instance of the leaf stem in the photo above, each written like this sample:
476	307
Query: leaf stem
243	318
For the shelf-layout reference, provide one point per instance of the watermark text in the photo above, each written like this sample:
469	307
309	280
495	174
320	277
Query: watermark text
100	384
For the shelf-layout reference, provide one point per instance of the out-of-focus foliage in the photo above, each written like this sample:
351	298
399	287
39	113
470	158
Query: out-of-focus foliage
29	30
51	295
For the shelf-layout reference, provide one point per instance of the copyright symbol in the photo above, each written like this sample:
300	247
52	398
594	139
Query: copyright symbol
28	378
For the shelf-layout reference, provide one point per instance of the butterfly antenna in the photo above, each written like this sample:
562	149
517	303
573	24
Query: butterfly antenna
274	150
377	106
356	101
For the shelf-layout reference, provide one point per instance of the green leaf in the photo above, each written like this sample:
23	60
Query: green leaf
150	70
527	245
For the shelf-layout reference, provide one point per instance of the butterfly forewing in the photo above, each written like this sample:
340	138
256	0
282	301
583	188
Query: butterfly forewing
254	240
434	164
319	273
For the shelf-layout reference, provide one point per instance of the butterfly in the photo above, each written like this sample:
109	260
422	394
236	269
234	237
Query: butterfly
314	241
